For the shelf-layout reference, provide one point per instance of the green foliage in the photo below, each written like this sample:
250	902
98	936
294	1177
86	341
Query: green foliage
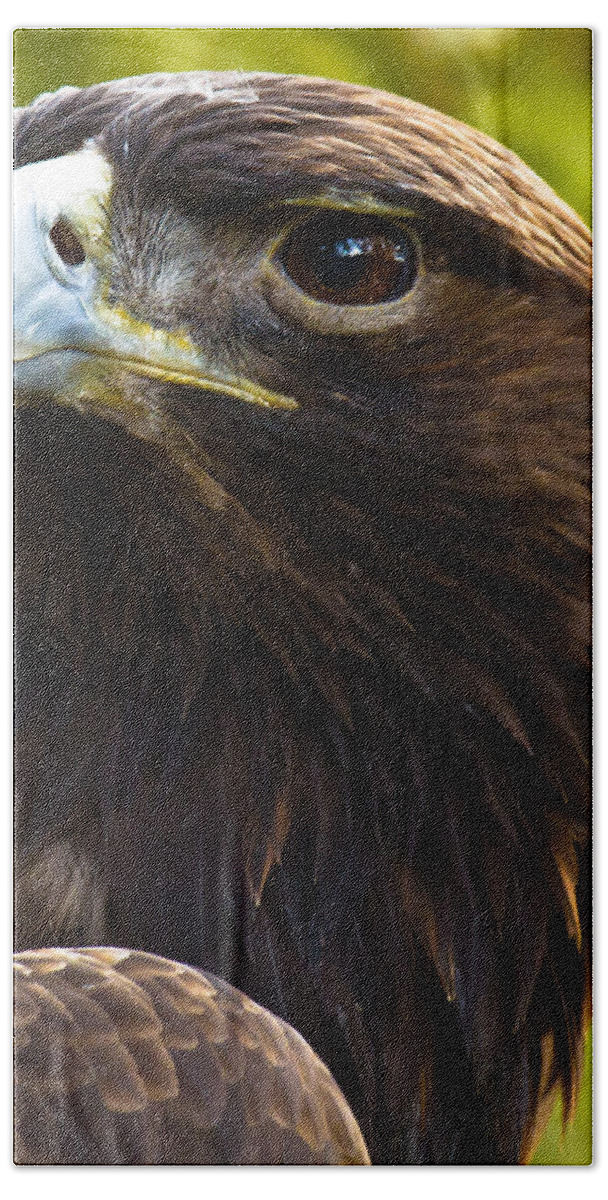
529	88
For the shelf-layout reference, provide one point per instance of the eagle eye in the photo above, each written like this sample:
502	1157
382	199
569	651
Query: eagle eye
350	259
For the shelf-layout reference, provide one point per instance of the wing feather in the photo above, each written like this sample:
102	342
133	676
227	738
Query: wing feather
123	1057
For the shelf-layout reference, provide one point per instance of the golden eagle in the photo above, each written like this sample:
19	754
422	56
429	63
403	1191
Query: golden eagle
302	585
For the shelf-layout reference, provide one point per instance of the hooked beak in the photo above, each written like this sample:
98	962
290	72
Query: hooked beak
62	318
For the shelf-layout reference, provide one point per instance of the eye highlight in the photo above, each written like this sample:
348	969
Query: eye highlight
350	258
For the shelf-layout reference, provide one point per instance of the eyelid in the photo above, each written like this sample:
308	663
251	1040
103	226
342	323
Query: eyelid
320	316
366	206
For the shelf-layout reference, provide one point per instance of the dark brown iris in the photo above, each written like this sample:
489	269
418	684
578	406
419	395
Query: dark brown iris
66	243
350	258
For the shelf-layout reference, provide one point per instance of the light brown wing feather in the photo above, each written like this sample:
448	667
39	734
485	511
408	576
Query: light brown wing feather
123	1057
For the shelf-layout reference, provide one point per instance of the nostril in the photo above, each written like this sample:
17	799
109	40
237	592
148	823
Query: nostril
67	245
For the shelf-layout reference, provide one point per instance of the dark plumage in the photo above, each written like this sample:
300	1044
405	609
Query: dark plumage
303	689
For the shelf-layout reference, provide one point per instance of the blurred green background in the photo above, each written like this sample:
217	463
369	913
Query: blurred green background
529	88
